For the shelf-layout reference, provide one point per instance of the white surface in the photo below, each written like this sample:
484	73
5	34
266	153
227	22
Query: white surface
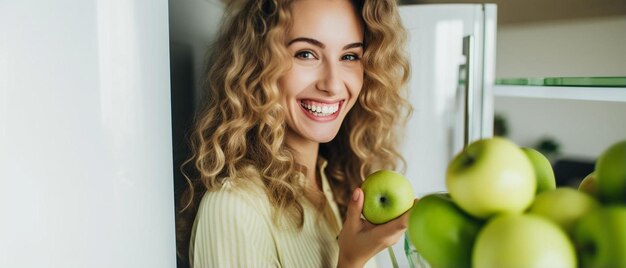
85	136
613	94
434	132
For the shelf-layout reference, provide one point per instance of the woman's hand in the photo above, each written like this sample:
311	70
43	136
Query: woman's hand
360	240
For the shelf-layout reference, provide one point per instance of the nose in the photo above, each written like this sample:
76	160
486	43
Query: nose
330	78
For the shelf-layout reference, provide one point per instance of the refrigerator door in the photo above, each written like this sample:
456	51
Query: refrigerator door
451	51
85	134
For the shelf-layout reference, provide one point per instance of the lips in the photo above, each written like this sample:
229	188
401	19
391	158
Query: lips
321	110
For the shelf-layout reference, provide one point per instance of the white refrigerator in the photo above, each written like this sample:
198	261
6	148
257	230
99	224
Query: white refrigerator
85	134
452	57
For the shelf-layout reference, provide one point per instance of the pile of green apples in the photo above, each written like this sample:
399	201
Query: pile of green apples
503	209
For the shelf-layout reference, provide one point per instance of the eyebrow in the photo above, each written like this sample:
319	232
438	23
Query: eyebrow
321	45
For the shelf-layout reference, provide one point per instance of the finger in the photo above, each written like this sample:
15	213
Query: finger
353	217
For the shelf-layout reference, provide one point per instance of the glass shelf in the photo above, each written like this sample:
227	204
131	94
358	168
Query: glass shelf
565	81
568	88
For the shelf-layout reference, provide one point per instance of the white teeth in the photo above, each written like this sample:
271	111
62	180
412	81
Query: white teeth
321	110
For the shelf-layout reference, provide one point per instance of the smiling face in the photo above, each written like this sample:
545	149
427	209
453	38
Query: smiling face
326	44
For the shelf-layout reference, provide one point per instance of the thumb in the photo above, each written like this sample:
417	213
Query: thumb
353	217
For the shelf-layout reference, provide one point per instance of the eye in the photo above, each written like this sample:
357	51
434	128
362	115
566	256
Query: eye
305	55
350	57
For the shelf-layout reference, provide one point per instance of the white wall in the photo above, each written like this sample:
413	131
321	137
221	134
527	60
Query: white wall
590	47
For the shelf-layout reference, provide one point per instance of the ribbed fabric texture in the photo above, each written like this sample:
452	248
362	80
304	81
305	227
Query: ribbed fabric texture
234	228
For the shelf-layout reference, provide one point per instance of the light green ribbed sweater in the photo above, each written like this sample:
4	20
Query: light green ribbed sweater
234	228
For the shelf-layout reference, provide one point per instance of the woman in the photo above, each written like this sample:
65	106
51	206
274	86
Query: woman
304	101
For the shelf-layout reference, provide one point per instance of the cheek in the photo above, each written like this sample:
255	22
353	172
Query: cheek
293	82
354	81
285	89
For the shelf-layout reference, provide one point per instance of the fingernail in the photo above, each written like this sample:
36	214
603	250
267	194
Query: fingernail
355	195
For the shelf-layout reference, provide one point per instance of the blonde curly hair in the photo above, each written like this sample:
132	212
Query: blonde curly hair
241	126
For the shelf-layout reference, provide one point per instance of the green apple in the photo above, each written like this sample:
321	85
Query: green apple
600	237
589	185
491	176
387	195
543	170
522	240
441	232
563	206
611	173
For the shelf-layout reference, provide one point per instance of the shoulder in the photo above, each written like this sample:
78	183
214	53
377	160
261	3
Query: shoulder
242	191
230	223
234	199
232	210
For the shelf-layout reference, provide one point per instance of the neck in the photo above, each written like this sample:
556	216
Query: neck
306	153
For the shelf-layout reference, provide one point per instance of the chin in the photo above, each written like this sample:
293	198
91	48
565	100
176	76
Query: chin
324	137
327	140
